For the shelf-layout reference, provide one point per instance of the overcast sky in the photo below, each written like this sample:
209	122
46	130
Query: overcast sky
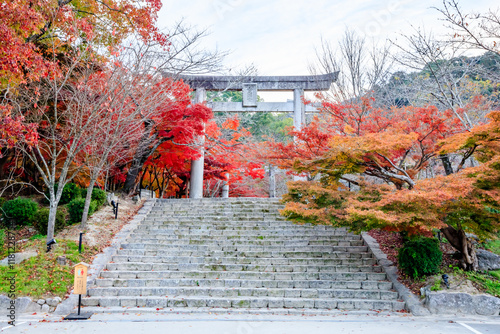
279	36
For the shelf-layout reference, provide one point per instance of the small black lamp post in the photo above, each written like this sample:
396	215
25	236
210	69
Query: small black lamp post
445	280
80	243
115	208
50	243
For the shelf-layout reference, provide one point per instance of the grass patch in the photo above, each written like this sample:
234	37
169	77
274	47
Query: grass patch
493	246
495	274
490	284
486	282
41	276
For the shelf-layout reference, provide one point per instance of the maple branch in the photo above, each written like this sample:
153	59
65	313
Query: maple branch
466	156
115	10
46	27
404	158
393	165
406	178
351	181
222	144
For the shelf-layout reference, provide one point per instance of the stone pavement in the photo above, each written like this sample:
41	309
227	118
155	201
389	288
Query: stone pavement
337	322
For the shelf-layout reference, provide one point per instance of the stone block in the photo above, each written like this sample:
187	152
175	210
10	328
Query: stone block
259	303
177	303
487	260
453	303
240	303
109	302
292	293
276	293
294	303
276	303
226	303
90	301
346	305
309	294
449	303
33	307
325	304
22	303
487	305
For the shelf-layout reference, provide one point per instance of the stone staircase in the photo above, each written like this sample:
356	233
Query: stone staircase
239	254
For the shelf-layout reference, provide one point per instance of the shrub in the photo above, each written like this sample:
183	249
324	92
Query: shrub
98	195
42	220
19	211
75	209
70	192
2	238
420	257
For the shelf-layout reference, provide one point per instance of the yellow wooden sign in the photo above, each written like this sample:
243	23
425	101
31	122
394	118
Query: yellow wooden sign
80	279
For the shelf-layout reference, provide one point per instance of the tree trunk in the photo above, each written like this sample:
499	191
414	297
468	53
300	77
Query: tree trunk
54	201
133	172
459	240
141	155
86	207
3	161
448	168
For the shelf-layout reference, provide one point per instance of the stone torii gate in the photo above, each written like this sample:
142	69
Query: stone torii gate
250	86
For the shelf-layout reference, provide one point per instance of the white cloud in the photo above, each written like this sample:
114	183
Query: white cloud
279	36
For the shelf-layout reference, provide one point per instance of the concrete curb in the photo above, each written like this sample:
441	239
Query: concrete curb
103	258
413	304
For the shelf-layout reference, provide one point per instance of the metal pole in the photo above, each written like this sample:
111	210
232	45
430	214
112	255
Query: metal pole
80	244
116	210
79	303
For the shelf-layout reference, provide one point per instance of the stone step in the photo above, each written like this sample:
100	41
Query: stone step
260	207
213	232
244	302
242	292
139	266
246	248
216	201
246	283
235	227
223	218
209	211
197	213
243	254
243	260
241	311
255	242
332	238
252	275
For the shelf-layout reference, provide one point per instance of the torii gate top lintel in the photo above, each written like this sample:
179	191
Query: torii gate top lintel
264	83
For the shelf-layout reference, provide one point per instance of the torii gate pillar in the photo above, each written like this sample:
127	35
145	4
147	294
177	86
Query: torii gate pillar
299	114
197	166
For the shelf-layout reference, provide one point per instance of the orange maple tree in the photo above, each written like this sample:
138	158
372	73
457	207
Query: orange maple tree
381	155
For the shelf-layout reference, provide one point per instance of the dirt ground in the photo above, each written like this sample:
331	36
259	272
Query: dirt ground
102	226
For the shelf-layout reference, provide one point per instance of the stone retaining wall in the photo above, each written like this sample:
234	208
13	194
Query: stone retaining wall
461	303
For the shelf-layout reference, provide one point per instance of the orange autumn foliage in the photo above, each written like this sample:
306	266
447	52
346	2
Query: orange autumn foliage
468	200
